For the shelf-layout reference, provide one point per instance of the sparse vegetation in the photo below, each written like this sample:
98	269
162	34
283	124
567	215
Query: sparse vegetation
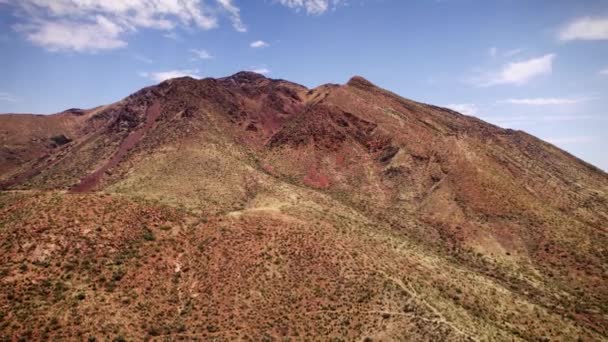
149	235
367	216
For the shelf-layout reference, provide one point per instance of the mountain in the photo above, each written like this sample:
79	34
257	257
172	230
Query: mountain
251	208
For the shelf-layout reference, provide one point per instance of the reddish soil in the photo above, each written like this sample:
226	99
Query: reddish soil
91	181
340	212
316	179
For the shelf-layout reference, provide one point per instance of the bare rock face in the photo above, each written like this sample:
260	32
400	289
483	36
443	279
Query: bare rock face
251	208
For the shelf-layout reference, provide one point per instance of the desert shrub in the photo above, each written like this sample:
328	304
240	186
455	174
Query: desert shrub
118	275
149	235
60	140
154	331
119	338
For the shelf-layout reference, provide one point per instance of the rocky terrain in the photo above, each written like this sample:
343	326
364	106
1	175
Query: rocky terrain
257	209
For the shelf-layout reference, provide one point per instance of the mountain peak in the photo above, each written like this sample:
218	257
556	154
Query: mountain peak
286	181
246	76
359	81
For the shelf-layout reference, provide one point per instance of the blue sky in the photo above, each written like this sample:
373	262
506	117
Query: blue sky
538	66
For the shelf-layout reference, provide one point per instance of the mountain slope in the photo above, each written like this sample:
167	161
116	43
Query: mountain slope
26	137
340	211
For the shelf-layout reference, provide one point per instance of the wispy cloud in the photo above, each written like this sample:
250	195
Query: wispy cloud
311	6
516	72
235	15
544	101
513	52
165	75
8	97
94	25
586	28
496	52
259	44
201	54
142	58
260	70
464	108
173	36
604	72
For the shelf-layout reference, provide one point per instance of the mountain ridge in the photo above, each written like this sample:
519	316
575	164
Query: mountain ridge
342	211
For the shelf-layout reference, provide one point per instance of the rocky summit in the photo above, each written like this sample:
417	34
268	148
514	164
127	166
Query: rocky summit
249	208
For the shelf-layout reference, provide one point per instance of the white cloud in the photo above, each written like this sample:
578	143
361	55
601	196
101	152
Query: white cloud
201	54
517	72
8	97
604	72
165	75
235	15
543	101
464	108
261	70
93	25
311	6
581	139
259	44
586	28
65	35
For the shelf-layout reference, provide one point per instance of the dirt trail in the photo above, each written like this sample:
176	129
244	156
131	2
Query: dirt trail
238	213
91	181
439	316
